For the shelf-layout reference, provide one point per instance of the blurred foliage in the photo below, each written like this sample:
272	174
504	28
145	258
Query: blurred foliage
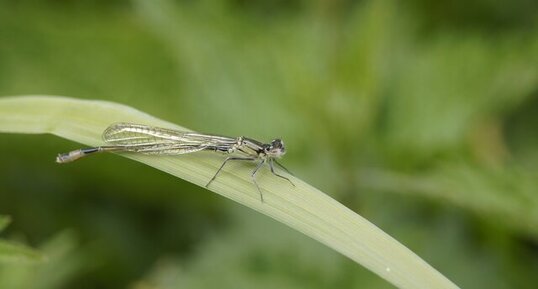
11	252
247	257
420	116
4	222
64	262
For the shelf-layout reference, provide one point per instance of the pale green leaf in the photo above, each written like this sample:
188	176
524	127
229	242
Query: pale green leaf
302	207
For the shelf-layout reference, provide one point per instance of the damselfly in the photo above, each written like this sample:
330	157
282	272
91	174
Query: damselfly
127	137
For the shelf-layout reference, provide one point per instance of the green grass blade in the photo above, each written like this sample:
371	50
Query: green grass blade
302	207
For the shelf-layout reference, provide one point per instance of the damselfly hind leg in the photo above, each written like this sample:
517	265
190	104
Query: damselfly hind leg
224	163
253	175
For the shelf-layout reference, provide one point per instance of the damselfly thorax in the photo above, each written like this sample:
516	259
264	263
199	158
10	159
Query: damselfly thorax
137	138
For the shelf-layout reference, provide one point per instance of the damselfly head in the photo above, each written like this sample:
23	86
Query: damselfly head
275	149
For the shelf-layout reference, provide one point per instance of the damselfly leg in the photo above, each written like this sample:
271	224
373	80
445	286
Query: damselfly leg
224	163
280	176
283	167
253	176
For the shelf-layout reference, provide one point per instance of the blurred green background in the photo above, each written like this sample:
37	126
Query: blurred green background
421	116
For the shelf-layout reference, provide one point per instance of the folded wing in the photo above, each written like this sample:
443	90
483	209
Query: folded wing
154	140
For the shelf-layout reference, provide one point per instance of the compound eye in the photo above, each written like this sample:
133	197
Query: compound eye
277	143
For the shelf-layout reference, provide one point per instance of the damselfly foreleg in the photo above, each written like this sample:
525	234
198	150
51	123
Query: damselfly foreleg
274	173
